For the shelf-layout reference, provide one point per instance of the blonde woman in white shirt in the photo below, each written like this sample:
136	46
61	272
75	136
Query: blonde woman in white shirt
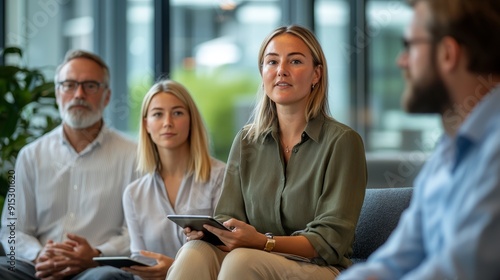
181	178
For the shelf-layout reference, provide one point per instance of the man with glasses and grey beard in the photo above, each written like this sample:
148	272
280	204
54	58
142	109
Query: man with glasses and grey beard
69	183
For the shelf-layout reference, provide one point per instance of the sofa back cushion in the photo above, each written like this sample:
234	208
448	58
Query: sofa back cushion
380	215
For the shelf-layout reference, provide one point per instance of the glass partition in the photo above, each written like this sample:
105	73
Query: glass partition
214	54
214	47
390	128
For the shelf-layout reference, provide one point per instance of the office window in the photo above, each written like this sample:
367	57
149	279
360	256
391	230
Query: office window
332	24
213	51
391	129
214	54
119	31
140	73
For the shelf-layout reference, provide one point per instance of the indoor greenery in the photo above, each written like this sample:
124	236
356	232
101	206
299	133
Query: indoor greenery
27	110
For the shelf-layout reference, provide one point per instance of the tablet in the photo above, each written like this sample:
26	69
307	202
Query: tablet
196	222
118	261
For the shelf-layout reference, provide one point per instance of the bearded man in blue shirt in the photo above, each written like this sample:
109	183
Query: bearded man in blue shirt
451	64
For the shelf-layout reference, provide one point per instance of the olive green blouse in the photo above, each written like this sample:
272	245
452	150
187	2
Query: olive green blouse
318	194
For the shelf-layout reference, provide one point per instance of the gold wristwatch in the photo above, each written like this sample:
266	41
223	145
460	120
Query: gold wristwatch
270	242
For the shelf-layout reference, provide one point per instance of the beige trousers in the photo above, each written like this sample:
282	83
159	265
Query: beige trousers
201	260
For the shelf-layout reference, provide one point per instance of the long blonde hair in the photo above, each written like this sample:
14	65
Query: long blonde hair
147	151
265	113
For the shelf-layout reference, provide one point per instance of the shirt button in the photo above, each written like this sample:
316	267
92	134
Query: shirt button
72	215
75	187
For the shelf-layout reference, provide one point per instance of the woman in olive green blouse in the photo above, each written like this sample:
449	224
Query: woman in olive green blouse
295	178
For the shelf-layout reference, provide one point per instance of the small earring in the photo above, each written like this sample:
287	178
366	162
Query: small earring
312	86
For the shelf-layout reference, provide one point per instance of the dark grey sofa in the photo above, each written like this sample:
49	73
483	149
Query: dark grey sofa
380	215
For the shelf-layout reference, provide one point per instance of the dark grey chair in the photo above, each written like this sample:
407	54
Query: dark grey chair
380	215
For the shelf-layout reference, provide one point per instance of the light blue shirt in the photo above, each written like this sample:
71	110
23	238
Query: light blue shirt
146	205
452	228
60	191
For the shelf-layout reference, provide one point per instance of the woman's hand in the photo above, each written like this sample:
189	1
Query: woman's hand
158	271
192	234
241	235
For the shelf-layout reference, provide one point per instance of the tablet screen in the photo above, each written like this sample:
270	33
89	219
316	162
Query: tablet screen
118	261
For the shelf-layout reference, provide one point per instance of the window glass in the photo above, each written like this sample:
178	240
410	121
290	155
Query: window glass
121	35
214	54
140	73
45	30
392	129
332	22
214	48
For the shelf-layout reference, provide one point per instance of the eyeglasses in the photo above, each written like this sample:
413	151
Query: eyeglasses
89	87
407	43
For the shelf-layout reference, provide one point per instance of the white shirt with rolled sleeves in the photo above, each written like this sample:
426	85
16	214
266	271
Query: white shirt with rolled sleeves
60	191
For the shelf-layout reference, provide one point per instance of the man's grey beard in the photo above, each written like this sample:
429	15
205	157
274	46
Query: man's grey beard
79	119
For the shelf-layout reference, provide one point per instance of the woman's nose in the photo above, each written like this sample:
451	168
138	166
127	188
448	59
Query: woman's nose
167	121
282	70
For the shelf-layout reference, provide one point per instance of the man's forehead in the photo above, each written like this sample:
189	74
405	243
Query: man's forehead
419	21
80	66
82	62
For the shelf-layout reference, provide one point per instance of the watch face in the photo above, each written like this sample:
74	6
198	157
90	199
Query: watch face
269	245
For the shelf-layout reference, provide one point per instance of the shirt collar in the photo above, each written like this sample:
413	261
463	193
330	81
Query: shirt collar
313	127
476	124
97	141
312	130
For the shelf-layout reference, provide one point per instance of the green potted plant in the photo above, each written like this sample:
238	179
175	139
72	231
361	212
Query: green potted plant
27	110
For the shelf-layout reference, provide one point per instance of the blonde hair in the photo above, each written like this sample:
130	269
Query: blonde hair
147	151
264	113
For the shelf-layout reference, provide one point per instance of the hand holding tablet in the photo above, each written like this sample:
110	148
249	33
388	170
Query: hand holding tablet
196	222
